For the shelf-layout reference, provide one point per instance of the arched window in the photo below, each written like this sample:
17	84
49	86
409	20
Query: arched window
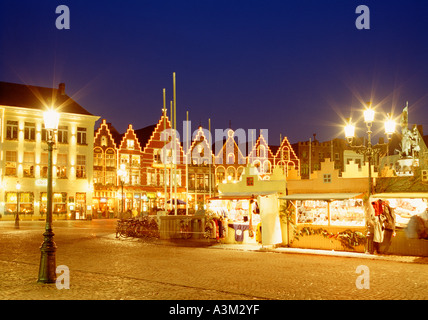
98	157
220	174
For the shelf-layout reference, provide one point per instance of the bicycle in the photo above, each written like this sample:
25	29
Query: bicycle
185	229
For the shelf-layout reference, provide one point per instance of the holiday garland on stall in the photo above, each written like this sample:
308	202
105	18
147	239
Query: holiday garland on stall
349	239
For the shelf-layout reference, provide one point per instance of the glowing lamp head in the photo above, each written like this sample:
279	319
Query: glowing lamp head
369	115
51	119
349	131
389	127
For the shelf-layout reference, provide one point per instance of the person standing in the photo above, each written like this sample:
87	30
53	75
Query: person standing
389	225
378	225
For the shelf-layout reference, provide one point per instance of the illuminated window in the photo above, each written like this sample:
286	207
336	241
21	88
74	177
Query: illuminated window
81	135
157	155
130	144
11	163
110	158
30	131
63	134
44	165
98	157
11	130
81	166
61	165
28	164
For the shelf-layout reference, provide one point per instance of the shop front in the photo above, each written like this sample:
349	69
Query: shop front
330	221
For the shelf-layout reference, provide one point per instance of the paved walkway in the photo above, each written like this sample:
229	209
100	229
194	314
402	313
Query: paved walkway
103	267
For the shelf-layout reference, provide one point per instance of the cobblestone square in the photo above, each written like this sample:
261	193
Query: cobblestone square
103	268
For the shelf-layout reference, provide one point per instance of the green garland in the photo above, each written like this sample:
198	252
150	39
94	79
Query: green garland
348	238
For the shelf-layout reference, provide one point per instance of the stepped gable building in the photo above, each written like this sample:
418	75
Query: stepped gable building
229	161
261	157
158	168
201	183
24	156
105	169
286	157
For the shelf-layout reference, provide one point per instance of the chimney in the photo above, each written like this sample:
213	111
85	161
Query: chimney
61	89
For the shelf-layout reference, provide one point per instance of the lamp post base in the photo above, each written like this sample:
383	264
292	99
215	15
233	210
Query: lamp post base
47	269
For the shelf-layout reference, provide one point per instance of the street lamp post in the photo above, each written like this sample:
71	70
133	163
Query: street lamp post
122	176
47	269
369	151
18	187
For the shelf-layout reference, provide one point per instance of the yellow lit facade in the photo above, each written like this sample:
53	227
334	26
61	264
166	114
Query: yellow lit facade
24	157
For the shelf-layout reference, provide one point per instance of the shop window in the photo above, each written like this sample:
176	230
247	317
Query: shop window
59	202
80	202
80	166
26	203
11	164
11	130
342	212
30	131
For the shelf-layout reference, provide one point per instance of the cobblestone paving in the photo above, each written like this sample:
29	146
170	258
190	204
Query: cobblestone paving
103	267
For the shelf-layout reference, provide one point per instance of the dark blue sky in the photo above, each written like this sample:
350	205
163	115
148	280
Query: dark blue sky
293	67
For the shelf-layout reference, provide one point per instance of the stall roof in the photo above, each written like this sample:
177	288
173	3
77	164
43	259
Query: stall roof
401	195
321	196
245	194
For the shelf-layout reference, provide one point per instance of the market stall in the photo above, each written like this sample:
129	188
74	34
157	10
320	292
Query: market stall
334	221
411	232
240	217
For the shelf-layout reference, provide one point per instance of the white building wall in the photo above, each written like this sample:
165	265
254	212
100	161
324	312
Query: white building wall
37	184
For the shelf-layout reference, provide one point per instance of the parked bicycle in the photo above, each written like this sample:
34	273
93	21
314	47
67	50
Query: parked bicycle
185	229
143	227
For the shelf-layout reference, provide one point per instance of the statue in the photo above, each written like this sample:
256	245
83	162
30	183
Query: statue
410	138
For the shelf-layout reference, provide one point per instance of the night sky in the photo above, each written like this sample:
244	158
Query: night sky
293	67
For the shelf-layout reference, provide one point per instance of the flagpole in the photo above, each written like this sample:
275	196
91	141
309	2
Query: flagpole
187	160
172	156
164	150
211	158
175	145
